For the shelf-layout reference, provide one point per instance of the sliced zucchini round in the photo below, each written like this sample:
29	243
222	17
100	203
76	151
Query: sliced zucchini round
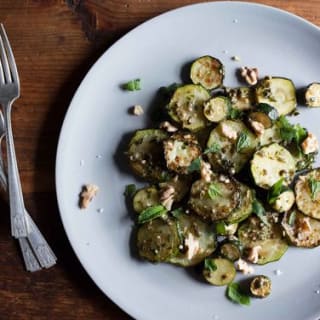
157	240
269	237
217	108
180	150
230	251
181	184
307	190
233	155
219	271
208	72
145	154
244	209
197	240
242	98
260	117
186	106
312	95
270	135
145	198
301	231
284	201
260	286
270	164
277	92
216	199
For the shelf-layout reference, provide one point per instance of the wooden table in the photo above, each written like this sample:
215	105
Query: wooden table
55	43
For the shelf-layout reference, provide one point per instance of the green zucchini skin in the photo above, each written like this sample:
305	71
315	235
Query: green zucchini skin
145	154
186	107
230	251
278	92
224	274
294	229
254	233
221	205
145	197
312	95
217	108
260	286
208	72
193	231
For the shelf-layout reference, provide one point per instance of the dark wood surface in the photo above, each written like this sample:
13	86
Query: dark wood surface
55	42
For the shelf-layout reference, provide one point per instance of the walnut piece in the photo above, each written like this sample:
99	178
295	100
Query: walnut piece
250	75
310	144
137	110
192	244
166	125
167	196
253	254
257	127
228	131
88	192
205	171
242	266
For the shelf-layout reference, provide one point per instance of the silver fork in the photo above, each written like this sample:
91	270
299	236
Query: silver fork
9	92
35	250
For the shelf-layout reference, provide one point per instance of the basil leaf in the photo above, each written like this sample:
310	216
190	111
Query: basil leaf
220	228
292	218
214	148
234	294
259	211
195	165
132	85
243	141
275	191
235	114
314	186
210	265
151	213
214	191
130	190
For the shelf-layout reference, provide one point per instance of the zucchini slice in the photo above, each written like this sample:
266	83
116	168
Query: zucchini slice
217	108
145	198
216	199
284	201
157	240
186	106
270	164
145	154
181	184
254	233
301	231
270	135
307	189
180	150
278	92
208	72
197	240
226	136
219	271
261	117
244	210
230	251
260	286
312	95
242	98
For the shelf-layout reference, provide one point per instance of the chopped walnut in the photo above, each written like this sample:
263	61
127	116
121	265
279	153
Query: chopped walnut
205	171
250	75
88	192
242	266
166	125
192	245
253	254
167	196
228	131
303	227
137	110
310	144
257	127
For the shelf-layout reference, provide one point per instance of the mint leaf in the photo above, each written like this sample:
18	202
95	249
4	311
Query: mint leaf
210	265
214	191
130	190
292	218
235	114
214	148
243	141
259	211
314	186
132	85
151	213
291	133
194	166
177	212
220	228
275	191
234	294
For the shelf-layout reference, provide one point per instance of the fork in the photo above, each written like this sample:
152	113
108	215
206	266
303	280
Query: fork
35	250
9	92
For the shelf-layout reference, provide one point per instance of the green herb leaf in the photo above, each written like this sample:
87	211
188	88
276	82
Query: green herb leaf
235	114
292	218
210	265
259	211
270	111
220	228
177	212
234	294
195	165
291	133
132	85
130	190
243	141
275	191
214	148
151	213
314	186
214	191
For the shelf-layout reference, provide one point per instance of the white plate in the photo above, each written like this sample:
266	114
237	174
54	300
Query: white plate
277	43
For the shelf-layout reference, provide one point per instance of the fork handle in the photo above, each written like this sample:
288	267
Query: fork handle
19	226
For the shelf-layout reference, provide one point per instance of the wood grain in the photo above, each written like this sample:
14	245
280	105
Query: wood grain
55	43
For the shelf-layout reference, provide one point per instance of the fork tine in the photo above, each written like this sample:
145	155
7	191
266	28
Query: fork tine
3	54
